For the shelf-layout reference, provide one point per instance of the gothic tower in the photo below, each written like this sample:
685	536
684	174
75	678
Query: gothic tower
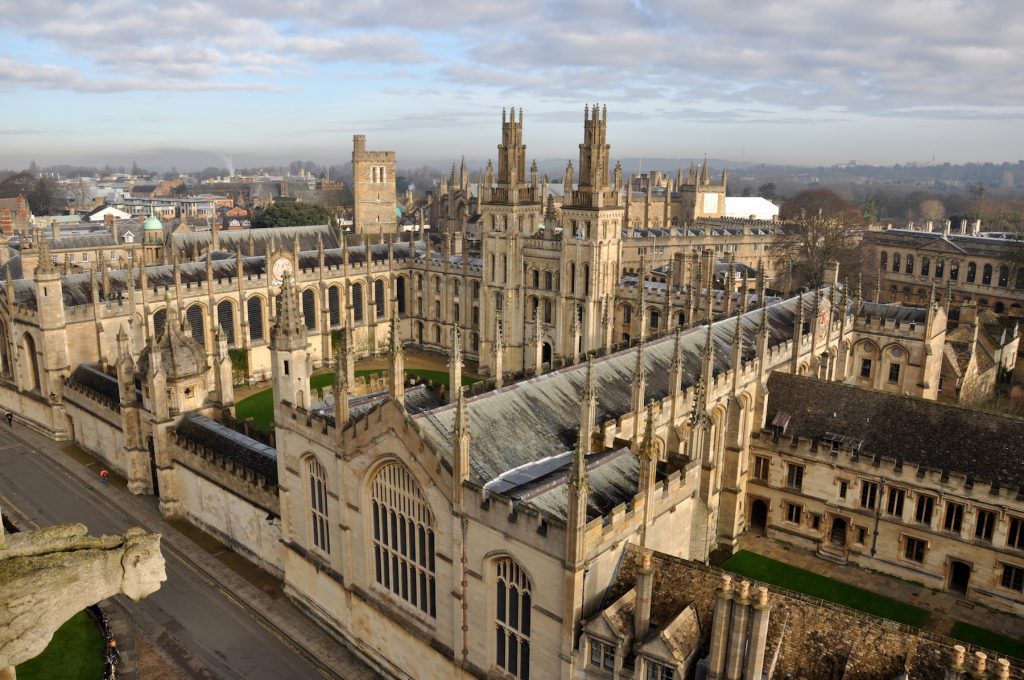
288	349
373	189
511	212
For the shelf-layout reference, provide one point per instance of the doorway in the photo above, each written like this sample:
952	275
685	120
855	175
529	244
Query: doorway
152	466
759	515
546	354
838	534
959	576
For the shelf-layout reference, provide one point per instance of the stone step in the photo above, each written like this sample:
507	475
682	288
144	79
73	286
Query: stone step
832	553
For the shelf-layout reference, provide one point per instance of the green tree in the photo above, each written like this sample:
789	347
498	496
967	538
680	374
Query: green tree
869	211
290	215
768	190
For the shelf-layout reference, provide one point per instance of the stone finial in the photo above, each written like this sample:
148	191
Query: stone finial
744	589
959	657
645	560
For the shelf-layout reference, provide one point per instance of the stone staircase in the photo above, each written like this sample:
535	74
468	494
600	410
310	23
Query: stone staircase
832	553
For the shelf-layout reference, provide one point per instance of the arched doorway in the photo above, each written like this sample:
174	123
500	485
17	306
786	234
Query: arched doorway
545	354
838	534
31	362
759	515
959	576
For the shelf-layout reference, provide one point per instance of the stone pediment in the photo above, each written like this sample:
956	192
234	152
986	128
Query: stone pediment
941	246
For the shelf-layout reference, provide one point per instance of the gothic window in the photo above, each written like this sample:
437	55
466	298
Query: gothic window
437	285
954	270
379	297
627	314
504	269
226	319
548	280
318	504
455	287
309	308
254	311
925	266
194	314
357	302
334	306
494	269
972	272
159	321
985	524
1013	577
986	276
474	342
910	264
437	310
536	279
419	277
437	335
476	290
456	316
954	518
513	605
476	317
654	319
896	262
497	301
547	311
682	320
1004	276
868	494
1015	533
657	671
403	538
914	549
400	294
884	260
572	277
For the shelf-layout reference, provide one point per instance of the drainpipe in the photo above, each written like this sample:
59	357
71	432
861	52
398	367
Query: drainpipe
878	515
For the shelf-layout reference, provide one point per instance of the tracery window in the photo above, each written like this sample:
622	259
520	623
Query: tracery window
159	321
513	603
309	308
254	311
334	306
226	319
357	302
318	525
378	297
403	538
194	314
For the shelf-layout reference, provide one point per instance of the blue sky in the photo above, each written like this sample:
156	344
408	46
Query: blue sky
799	81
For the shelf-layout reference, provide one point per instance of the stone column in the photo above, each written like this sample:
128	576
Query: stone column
957	664
738	633
720	629
758	635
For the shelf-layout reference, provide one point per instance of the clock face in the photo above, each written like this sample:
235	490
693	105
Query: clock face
280	267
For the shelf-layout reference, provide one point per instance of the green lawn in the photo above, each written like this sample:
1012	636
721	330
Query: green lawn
802	581
965	632
260	406
74	653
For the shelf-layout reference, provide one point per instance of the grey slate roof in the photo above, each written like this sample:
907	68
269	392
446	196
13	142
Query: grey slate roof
983	446
900	313
91	377
244	451
538	418
235	239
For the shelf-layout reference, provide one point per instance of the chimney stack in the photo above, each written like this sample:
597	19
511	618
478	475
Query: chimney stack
644	592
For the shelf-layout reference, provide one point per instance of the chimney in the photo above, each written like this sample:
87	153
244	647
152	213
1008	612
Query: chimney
644	592
968	314
931	225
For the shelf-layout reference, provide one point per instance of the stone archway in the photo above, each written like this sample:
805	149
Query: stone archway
759	515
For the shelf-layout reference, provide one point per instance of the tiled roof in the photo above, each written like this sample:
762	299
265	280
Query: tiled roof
983	446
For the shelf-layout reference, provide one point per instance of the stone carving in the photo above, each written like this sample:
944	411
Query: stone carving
48	575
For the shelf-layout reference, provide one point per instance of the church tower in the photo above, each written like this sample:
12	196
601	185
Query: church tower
511	211
289	358
47	363
592	219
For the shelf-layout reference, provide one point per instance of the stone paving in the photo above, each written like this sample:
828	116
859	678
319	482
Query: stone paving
946	608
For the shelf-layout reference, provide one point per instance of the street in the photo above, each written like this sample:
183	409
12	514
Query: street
192	619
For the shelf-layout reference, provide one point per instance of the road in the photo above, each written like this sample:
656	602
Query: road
191	620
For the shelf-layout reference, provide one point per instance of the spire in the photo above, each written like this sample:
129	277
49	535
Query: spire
289	331
708	353
45	263
588	415
455	362
460	444
649	449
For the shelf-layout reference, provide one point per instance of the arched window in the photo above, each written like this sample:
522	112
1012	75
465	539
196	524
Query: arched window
437	284
476	290
357	302
896	262
474	342
954	270
972	272
494	269
986	276
226	319
654	319
513	604
940	266
194	314
334	305
884	260
504	269
925	266
1019	283
403	538
572	278
437	335
548	280
455	287
547	311
318	525
536	279
254	310
379	297
1004	276
910	264
627	314
159	321
400	294
309	308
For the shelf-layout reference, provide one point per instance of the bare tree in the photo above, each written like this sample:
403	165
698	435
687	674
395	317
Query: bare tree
932	209
810	243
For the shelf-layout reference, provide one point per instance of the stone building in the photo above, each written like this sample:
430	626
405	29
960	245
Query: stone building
473	535
978	266
925	491
373	189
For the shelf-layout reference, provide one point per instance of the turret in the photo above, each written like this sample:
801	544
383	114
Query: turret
288	342
576	520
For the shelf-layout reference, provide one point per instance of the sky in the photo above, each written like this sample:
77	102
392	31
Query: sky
264	81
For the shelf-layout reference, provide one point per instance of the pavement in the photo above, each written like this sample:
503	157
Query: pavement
946	608
216	616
